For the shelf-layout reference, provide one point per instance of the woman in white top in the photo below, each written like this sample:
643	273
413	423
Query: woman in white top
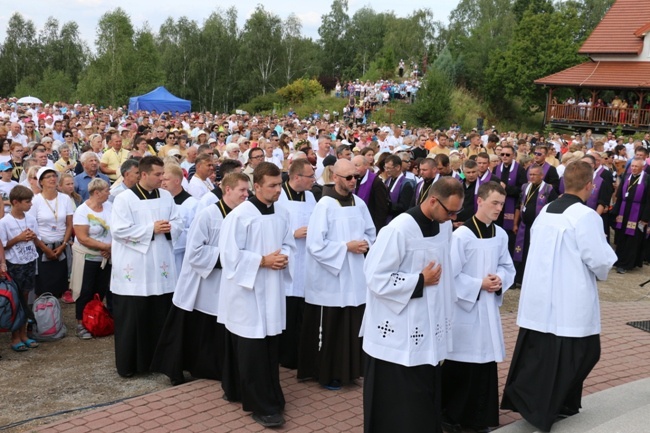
53	212
5	150
91	272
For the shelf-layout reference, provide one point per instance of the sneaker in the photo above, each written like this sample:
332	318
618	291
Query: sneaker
66	298
83	333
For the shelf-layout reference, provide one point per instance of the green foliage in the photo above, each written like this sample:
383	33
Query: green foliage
53	86
263	103
433	103
543	44
301	90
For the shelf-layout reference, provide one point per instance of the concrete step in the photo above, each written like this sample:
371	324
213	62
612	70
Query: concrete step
622	409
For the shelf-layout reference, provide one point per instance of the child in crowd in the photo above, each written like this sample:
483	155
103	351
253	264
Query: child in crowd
6	185
18	231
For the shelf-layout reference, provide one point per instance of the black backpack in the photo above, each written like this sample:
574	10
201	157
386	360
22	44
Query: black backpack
12	314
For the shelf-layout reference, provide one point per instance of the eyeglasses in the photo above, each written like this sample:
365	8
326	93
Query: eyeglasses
67	135
449	212
49	133
506	154
313	176
350	177
538	154
257	157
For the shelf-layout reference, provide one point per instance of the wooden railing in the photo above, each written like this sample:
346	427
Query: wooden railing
632	117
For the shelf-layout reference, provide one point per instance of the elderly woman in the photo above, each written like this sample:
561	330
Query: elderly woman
91	268
65	164
53	211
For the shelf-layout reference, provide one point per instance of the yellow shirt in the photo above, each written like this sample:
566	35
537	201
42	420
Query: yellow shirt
113	161
438	150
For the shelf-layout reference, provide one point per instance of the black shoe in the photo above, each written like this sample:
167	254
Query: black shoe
125	375
450	426
275	420
620	270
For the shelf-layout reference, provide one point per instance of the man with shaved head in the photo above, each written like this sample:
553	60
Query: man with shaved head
339	233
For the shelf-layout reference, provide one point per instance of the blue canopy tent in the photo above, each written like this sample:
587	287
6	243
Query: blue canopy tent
160	100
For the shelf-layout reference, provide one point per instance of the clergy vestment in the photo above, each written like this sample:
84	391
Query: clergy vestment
401	191
559	313
407	325
299	206
143	276
632	206
422	190
186	209
335	290
470	394
533	200
192	339
372	190
252	303
513	177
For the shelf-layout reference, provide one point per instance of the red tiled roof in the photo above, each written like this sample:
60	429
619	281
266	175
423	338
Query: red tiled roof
624	75
616	32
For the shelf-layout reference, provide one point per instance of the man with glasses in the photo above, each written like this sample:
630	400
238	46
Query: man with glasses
160	138
512	177
113	158
255	156
407	322
199	126
400	189
297	199
339	233
550	173
534	196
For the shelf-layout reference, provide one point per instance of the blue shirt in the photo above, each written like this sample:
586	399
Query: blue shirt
81	182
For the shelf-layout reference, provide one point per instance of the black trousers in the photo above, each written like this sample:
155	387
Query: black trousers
95	281
251	373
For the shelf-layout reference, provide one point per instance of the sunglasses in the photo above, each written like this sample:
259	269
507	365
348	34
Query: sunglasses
350	177
449	212
538	154
67	135
506	154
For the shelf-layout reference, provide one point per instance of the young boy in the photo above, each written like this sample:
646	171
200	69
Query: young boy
18	231
6	185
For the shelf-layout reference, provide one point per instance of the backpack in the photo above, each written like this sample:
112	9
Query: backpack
49	320
96	318
12	314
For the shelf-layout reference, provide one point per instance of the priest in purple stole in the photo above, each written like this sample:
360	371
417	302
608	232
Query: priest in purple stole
631	214
549	172
601	197
371	189
400	188
534	196
511	176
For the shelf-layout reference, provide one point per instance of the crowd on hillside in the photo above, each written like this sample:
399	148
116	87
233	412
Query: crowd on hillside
84	188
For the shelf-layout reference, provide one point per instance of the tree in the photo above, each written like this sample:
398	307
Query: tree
433	101
333	33
543	44
261	38
19	54
146	74
53	86
366	38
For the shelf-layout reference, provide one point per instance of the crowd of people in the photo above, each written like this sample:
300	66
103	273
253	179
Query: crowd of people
227	245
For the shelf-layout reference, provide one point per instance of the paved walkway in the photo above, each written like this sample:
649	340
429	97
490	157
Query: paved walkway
198	406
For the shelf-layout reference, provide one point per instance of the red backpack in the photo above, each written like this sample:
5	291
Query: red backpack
96	318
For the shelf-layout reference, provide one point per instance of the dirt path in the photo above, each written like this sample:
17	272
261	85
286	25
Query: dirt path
72	374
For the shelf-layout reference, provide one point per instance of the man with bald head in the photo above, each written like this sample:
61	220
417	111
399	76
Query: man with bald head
339	233
372	191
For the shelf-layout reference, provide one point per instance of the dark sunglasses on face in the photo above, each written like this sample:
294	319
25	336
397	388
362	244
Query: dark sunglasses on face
506	154
350	177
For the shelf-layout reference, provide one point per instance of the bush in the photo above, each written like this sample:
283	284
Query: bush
433	102
301	90
263	103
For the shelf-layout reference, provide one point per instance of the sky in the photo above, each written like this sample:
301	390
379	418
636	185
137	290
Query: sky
86	13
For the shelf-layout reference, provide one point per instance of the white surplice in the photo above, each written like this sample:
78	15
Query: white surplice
187	211
476	327
299	214
335	276
568	251
251	298
143	263
199	280
396	328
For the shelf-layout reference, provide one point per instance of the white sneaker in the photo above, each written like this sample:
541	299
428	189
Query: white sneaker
83	333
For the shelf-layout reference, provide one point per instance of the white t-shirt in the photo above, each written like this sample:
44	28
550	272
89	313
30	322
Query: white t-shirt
22	252
99	223
50	226
5	189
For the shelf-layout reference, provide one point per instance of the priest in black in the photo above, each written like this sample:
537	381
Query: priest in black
512	177
470	186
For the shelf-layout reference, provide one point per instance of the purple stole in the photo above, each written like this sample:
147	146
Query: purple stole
592	201
511	202
480	181
418	188
635	211
366	188
456	176
394	193
542	199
